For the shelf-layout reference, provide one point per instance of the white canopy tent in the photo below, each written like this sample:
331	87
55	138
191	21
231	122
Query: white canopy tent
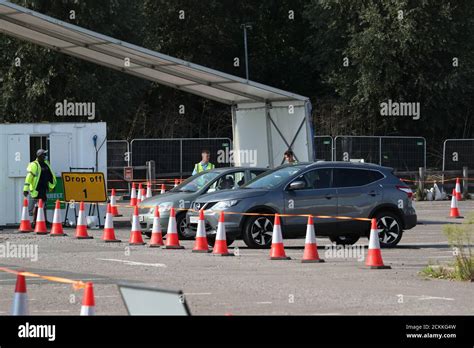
265	119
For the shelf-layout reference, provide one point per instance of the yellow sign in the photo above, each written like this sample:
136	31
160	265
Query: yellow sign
85	187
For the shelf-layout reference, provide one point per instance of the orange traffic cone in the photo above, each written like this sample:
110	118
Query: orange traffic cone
57	227
156	233
454	213
220	244
20	299
172	239
458	190
310	254
113	203
109	232
133	196
25	223
81	228
163	190
277	251
136	232
374	255
40	225
88	301
143	194
139	194
148	190
200	245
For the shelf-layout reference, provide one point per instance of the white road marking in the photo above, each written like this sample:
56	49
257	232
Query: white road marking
264	303
135	263
436	298
53	311
425	297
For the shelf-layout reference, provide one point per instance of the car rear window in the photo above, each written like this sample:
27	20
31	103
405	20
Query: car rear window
345	177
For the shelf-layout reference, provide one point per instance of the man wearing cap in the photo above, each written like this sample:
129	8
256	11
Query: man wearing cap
39	180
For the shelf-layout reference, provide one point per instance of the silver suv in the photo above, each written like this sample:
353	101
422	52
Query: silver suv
356	190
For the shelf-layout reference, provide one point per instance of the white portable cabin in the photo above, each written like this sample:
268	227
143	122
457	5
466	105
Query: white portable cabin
266	120
70	145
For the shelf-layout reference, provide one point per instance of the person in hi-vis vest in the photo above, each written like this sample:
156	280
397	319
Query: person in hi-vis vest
204	164
39	180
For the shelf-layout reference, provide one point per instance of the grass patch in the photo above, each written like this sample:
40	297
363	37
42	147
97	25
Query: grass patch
460	237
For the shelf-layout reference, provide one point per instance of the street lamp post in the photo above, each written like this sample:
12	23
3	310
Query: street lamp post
245	27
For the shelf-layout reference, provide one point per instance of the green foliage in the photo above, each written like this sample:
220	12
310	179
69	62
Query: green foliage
420	195
461	239
407	58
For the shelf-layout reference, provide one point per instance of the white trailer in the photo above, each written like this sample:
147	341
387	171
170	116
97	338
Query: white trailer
70	145
270	130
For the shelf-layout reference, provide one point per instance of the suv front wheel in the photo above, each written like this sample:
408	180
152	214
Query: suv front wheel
391	229
258	231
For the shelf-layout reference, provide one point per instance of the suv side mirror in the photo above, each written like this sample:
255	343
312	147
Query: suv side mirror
297	185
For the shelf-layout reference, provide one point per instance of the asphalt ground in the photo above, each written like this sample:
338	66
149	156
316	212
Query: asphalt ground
248	283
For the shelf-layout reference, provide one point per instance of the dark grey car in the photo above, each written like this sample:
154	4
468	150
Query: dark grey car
184	194
356	190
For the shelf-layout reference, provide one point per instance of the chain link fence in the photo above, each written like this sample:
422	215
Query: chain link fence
400	153
458	153
323	147
176	157
117	158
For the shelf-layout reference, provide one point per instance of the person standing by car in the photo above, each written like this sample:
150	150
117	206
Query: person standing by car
290	157
39	180
204	164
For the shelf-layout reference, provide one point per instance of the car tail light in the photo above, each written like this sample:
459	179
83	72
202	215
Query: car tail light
407	190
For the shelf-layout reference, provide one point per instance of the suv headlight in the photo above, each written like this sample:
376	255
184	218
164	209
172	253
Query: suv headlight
225	204
165	206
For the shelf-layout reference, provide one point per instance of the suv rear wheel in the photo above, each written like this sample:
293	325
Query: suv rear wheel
391	229
347	239
258	231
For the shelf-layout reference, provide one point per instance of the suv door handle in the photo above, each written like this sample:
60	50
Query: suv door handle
329	196
372	193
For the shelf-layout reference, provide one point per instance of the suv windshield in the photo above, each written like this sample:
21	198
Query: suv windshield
197	182
273	178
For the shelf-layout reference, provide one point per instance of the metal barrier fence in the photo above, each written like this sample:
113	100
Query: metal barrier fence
401	153
177	157
458	153
117	158
323	147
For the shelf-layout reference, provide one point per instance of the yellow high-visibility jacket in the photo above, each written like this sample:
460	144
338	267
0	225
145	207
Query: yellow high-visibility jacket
198	168
33	176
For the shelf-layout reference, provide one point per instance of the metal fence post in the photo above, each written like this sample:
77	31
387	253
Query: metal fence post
181	159
150	171
465	181
380	151
421	181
